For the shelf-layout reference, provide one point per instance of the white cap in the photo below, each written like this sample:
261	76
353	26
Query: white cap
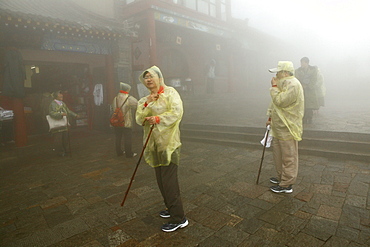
283	65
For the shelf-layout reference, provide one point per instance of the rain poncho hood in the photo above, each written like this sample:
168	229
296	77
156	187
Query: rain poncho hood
164	143
153	70
287	109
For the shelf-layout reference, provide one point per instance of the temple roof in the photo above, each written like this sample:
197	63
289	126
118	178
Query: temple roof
62	15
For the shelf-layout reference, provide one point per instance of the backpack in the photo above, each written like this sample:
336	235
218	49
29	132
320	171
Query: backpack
117	119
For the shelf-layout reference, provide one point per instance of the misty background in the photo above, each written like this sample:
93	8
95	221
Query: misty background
333	34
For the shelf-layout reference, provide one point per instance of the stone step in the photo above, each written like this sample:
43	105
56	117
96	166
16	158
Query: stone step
342	145
349	136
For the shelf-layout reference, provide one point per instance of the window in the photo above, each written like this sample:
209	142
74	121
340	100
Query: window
203	7
212	10
208	7
223	11
190	4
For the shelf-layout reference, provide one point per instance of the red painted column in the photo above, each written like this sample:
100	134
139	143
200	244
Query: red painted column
109	70
20	128
152	39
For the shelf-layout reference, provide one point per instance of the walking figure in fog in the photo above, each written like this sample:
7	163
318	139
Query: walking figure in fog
313	88
285	118
163	109
211	74
127	104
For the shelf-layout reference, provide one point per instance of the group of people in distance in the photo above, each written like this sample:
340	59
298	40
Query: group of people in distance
161	111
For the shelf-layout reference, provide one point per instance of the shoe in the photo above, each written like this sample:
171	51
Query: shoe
64	154
274	180
165	214
279	189
133	155
170	227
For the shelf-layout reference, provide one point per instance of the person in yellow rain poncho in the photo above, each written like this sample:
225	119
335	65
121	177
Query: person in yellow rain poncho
285	117
163	109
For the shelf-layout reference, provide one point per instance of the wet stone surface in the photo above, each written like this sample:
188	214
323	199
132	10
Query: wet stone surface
47	200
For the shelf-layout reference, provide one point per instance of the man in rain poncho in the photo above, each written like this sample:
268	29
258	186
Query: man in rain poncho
163	109
285	117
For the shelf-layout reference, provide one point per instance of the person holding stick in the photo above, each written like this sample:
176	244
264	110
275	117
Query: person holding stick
58	109
285	118
163	109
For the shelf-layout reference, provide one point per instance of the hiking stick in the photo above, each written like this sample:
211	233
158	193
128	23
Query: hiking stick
263	154
137	165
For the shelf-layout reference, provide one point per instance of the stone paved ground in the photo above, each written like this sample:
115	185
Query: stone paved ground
339	114
47	200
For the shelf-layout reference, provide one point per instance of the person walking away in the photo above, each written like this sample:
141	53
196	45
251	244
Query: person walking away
211	67
163	109
309	78
58	109
285	118
126	130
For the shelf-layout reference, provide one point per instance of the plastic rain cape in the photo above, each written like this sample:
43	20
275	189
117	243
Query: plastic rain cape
287	109
163	145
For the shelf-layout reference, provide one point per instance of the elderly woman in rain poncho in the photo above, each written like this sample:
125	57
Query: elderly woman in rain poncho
163	109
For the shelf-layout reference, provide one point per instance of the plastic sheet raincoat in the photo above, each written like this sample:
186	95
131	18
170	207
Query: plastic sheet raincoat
131	103
286	109
164	143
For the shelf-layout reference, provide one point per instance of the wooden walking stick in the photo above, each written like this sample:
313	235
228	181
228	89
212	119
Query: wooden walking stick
137	165
263	153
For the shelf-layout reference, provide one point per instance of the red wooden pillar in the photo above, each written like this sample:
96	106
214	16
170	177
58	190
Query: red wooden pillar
152	39
90	101
109	71
20	128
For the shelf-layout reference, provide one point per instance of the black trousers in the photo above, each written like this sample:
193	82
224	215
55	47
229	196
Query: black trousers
61	141
127	136
169	186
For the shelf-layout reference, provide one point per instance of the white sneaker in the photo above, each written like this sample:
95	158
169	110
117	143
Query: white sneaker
169	227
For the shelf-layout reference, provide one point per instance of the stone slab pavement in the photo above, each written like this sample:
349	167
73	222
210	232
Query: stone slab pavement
47	200
340	114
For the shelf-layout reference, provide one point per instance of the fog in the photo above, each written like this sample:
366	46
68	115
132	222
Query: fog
332	33
327	29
